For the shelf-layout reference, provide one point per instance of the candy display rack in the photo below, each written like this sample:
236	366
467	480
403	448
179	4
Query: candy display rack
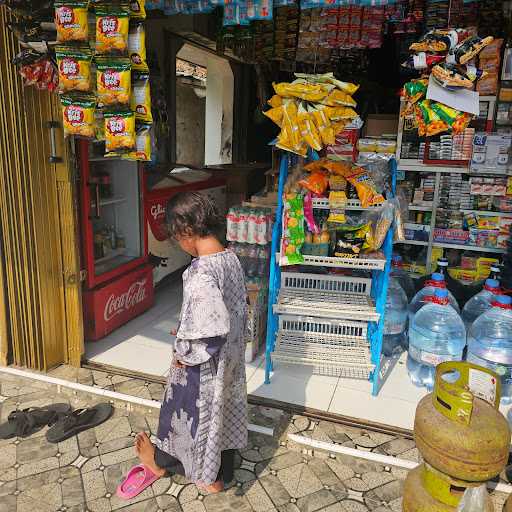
330	323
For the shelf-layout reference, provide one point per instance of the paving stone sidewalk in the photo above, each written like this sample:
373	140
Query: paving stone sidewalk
273	473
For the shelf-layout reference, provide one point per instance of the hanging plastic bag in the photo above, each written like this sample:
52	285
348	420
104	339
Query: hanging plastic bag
475	499
78	115
137	9
142	144
119	131
74	66
113	81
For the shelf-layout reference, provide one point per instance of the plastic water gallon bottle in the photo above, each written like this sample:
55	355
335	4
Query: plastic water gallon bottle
480	303
436	283
402	276
437	334
395	318
490	343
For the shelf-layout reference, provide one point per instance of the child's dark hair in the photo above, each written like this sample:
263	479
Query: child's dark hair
193	213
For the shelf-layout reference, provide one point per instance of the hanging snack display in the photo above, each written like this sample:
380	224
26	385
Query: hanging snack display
113	81
78	115
36	69
112	25
137	47
71	21
74	65
443	54
119	131
141	98
311	110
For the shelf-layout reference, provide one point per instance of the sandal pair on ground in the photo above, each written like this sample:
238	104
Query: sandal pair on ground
63	422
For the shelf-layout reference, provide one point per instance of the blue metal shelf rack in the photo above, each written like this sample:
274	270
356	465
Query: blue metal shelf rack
380	280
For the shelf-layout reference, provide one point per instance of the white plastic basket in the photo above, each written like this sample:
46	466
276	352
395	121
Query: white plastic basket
322	203
340	297
329	347
332	262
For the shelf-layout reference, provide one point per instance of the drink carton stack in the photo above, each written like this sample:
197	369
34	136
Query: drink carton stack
249	233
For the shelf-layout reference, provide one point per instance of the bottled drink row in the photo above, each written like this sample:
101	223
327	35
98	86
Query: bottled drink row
432	328
253	258
249	225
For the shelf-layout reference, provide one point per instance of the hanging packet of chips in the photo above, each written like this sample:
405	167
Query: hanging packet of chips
138	9
337	98
142	144
294	233
112	24
71	21
364	185
137	47
141	98
78	115
74	65
119	131
113	81
308	130
302	90
323	124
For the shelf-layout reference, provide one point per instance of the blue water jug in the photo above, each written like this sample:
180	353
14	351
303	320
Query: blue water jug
480	303
395	319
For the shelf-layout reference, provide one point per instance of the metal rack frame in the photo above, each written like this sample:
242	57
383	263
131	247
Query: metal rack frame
328	348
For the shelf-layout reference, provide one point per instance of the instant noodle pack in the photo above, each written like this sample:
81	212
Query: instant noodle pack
103	75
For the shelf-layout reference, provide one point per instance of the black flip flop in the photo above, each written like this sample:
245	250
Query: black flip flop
79	420
25	422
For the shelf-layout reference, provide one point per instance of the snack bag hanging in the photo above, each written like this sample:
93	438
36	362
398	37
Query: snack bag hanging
78	115
364	185
74	65
112	24
71	21
293	230
113	81
308	130
137	47
138	9
141	98
142	144
119	131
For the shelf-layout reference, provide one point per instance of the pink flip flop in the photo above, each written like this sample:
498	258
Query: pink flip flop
140	477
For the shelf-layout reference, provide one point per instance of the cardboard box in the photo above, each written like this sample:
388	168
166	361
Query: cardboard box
380	124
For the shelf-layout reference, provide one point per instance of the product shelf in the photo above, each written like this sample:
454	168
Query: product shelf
343	334
337	348
350	263
322	203
417	208
469	248
412	242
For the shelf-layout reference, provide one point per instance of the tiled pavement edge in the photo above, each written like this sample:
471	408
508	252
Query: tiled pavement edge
273	474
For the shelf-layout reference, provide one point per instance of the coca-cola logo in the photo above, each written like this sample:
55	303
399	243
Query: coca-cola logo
157	211
118	304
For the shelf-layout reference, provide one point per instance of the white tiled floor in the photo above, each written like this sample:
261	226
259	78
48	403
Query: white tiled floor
143	345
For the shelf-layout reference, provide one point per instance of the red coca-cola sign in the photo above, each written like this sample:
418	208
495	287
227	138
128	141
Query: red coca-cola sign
108	307
117	304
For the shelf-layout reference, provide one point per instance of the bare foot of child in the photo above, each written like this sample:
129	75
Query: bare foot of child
146	452
214	488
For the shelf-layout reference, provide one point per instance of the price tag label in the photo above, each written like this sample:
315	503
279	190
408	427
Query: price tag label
483	385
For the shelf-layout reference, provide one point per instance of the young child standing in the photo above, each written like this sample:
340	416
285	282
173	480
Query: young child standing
203	418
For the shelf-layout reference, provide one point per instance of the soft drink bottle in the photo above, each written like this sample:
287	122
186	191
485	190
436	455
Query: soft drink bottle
481	302
490	343
395	318
437	282
437	334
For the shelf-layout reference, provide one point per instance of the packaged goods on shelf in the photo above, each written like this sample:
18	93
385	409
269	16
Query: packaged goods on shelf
491	153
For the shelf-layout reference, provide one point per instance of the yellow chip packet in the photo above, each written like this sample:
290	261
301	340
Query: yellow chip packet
304	91
141	98
137	47
337	98
78	115
112	24
276	101
113	81
323	125
71	21
275	114
142	144
119	131
74	65
138	9
308	130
